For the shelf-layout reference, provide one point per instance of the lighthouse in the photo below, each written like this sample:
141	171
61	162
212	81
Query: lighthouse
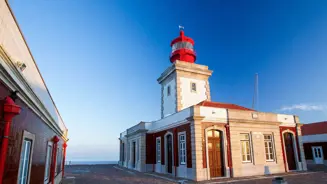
200	139
184	83
182	48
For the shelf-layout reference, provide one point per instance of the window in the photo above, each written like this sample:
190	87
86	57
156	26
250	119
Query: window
168	91
62	159
138	150
57	159
182	149
182	45
158	150
48	162
246	150
269	148
193	87
25	161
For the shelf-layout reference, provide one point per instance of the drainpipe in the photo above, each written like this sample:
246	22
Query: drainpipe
55	141
63	160
10	110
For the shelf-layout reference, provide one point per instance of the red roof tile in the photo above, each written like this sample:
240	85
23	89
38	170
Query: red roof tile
224	105
314	128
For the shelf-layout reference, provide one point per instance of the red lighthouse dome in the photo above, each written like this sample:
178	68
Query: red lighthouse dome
182	49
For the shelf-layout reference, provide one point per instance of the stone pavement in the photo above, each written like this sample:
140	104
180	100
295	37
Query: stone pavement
103	174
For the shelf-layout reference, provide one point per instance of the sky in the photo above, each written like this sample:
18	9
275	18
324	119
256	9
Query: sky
101	59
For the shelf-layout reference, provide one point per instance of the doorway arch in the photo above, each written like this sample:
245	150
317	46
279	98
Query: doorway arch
169	153
220	170
290	150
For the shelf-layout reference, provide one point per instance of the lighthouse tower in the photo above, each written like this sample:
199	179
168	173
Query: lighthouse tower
184	83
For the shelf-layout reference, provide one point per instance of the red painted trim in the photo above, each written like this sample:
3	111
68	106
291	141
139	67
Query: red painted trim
64	158
283	149
314	128
292	129
55	141
10	110
181	38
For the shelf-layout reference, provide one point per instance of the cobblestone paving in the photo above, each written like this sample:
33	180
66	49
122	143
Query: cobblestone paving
105	174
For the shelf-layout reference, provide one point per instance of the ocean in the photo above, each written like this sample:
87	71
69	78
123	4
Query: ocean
90	162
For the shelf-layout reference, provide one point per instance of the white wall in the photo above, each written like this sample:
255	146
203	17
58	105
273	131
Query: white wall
314	138
213	114
169	102
192	98
13	43
170	120
287	120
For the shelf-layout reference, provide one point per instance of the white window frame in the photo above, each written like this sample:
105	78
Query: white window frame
272	146
158	150
138	149
180	149
31	137
250	148
191	87
62	158
50	144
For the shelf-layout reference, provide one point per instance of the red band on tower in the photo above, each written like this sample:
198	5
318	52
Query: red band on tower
182	49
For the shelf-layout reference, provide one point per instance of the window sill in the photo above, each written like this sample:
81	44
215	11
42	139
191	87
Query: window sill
246	162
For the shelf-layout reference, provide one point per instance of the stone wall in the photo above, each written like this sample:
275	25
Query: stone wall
258	165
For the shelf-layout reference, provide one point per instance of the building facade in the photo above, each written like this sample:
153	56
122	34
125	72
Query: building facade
199	139
33	136
314	137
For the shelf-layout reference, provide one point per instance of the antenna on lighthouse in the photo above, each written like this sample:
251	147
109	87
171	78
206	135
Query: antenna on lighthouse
256	93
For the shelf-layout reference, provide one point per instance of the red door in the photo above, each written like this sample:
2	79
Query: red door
215	154
169	154
289	149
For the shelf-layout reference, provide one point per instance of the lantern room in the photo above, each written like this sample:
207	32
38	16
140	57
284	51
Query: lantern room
182	49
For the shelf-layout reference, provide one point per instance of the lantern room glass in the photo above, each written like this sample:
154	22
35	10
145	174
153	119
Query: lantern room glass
182	45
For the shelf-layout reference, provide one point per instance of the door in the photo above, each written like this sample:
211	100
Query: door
215	154
134	150
318	154
169	154
289	149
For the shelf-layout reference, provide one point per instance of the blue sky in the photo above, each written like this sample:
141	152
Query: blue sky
100	59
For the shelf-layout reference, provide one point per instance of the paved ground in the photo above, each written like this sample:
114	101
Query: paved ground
105	174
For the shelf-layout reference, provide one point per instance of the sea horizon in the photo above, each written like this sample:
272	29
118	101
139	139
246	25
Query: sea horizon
90	162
